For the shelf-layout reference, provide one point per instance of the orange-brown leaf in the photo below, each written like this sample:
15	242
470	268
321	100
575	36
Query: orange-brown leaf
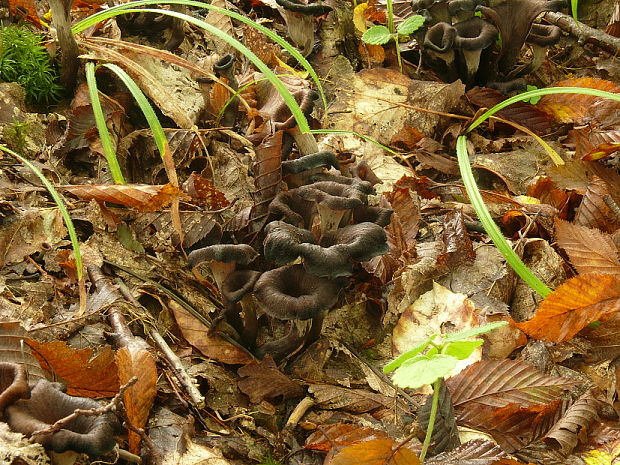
341	434
263	381
139	398
580	108
589	250
210	345
377	452
203	192
142	197
26	9
85	375
572	306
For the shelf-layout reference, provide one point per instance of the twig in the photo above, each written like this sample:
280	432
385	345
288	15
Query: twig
585	34
109	407
298	412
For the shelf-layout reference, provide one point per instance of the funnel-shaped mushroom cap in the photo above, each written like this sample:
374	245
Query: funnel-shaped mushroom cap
440	37
543	35
310	161
13	384
361	185
377	215
474	34
333	195
92	435
238	284
223	253
457	6
340	249
290	293
282	242
514	19
289	207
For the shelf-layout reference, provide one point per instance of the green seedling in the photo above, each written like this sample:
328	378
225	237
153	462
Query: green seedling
381	35
24	60
15	135
574	4
532	100
431	360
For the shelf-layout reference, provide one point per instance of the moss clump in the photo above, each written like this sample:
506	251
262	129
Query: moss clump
24	60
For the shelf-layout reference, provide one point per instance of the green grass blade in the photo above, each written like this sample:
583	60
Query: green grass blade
105	14
573	6
104	134
538	92
145	106
489	225
286	95
75	243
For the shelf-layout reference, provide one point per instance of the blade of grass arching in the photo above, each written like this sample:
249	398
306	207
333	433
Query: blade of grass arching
75	243
105	14
102	127
353	133
538	92
286	95
489	225
151	118
573	6
160	140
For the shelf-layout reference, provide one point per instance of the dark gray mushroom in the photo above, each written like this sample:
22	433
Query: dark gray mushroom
514	19
462	9
309	162
222	259
289	207
439	47
290	293
92	435
541	37
368	214
334	201
224	67
13	384
340	249
237	290
282	241
472	37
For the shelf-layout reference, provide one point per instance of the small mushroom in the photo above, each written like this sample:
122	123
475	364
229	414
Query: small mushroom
541	37
300	169
339	250
472	37
282	241
224	67
13	384
333	201
368	214
291	293
222	259
237	289
92	435
439	46
514	19
289	207
462	9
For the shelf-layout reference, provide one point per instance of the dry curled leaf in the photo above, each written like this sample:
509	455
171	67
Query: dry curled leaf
572	306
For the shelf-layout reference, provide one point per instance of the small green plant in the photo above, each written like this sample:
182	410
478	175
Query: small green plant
381	35
431	360
24	60
15	133
532	100
574	4
269	460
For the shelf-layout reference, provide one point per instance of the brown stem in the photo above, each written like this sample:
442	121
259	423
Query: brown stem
69	63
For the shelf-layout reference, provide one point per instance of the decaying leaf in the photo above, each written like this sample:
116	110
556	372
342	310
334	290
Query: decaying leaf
572	306
263	381
376	452
85	375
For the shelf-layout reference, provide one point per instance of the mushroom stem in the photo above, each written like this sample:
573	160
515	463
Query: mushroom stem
250	324
282	347
330	219
472	62
314	332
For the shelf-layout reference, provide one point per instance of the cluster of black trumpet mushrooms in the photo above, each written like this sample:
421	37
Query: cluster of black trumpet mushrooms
34	409
316	233
461	38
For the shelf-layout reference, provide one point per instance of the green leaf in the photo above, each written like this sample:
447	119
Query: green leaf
533	100
394	364
472	332
377	35
410	25
462	349
423	370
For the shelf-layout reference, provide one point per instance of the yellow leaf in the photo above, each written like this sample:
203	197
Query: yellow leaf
358	17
